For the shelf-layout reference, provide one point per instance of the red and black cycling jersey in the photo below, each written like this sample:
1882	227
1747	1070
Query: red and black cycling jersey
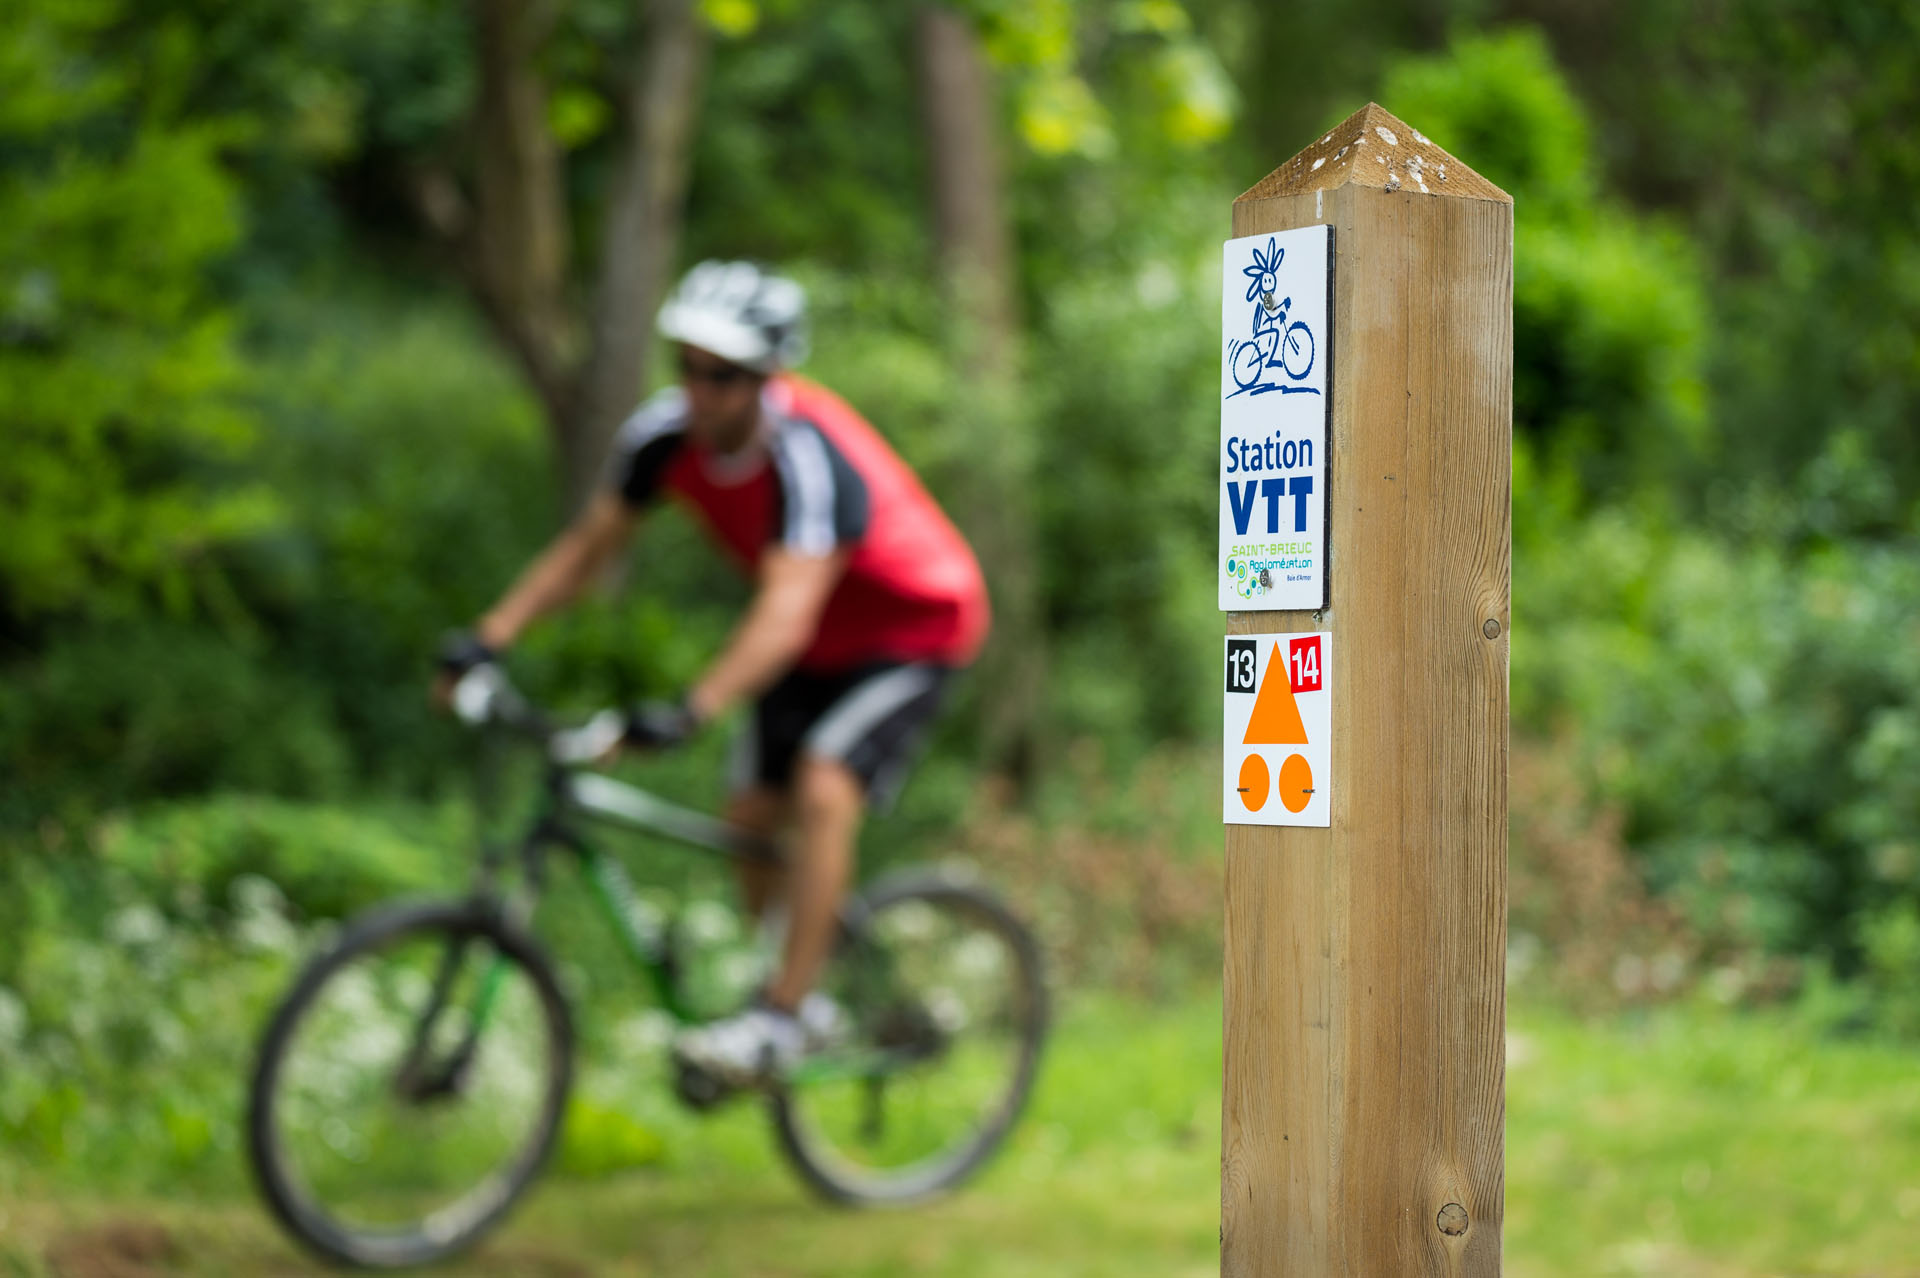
821	479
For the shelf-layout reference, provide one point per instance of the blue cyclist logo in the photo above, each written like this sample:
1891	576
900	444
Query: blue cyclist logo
1272	343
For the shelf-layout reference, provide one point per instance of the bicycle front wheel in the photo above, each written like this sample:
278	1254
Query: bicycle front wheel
942	1012
1296	351
409	1087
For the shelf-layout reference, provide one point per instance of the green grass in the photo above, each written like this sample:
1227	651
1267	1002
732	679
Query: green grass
1697	1142
1689	1142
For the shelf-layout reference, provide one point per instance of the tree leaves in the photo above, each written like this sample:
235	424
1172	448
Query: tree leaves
116	362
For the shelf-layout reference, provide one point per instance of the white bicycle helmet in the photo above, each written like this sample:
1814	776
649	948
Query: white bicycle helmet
741	313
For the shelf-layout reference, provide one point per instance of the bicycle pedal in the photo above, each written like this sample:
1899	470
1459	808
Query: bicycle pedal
696	1088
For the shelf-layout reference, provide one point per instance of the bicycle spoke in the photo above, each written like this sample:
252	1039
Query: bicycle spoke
944	1033
414	1089
872	1125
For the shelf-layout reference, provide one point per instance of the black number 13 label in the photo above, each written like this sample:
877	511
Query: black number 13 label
1243	656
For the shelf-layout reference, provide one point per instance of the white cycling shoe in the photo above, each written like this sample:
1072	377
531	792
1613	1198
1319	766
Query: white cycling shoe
760	1046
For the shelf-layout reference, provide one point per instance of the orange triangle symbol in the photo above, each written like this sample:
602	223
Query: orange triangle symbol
1276	715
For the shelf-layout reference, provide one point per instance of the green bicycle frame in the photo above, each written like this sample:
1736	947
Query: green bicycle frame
602	798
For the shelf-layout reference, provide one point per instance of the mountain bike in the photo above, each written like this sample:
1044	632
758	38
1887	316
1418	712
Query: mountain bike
409	1087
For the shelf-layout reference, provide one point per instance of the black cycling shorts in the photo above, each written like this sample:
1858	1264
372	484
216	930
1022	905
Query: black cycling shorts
873	718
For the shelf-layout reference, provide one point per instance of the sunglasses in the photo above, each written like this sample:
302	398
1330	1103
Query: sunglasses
718	375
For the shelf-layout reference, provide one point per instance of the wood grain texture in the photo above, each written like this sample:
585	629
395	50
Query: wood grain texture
1365	963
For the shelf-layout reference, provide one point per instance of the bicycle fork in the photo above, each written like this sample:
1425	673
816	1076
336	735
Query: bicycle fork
415	1080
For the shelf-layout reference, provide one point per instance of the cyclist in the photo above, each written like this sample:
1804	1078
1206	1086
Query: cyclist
867	600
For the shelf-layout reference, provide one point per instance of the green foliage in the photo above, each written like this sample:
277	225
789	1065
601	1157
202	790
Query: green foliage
408	482
1608	351
415	477
1608	308
597	1141
1755	717
1778	132
734	18
325	861
1499	102
120	1041
1069	99
133	710
786	167
1128	517
117	364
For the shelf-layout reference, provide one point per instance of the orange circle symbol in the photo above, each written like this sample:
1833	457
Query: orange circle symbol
1253	782
1296	782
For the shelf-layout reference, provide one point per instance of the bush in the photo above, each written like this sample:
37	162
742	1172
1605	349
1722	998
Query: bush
122	1044
158	709
1126	497
326	861
1756	717
1609	311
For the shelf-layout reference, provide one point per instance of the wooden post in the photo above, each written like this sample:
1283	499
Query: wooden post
1365	963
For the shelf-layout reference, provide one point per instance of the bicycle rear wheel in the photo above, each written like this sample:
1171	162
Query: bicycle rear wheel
944	1011
409	1087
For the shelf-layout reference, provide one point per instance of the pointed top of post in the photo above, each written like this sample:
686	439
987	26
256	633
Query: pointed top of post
1372	147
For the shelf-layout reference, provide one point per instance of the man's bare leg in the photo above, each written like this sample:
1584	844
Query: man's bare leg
763	811
828	802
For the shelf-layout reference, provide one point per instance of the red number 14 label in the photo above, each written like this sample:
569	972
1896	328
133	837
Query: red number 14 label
1303	663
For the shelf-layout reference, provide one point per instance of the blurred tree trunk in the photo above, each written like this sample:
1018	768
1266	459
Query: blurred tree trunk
587	370
519	243
659	109
995	499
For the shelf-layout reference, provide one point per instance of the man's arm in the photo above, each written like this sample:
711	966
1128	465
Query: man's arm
777	628
561	571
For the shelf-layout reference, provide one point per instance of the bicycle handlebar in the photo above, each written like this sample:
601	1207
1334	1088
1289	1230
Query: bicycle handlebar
485	695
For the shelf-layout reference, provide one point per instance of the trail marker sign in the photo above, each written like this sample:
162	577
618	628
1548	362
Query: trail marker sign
1363	1044
1275	349
1278	764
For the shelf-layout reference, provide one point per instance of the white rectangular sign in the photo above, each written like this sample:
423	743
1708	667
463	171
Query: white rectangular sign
1278	757
1274	306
